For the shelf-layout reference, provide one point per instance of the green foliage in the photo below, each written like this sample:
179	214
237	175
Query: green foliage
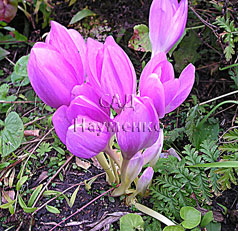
230	35
196	131
4	96
81	15
177	185
234	76
20	77
3	53
187	51
11	135
131	222
44	148
140	40
230	146
191	217
152	224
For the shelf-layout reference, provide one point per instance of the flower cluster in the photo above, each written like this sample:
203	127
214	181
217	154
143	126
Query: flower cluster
87	81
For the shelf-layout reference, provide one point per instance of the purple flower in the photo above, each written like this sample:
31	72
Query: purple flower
110	72
144	181
158	83
167	22
138	127
82	126
56	66
152	154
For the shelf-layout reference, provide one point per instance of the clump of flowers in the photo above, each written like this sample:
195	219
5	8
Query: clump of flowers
89	82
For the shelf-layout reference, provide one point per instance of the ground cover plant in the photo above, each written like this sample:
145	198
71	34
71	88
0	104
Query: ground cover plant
118	115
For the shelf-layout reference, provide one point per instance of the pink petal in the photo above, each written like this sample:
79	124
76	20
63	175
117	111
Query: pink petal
153	88
144	181
61	39
171	89
61	123
166	16
85	139
138	127
51	76
161	13
117	71
186	81
80	44
152	153
88	91
94	62
83	106
153	66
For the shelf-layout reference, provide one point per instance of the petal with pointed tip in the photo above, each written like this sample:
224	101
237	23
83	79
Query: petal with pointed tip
51	76
117	71
144	181
186	81
61	39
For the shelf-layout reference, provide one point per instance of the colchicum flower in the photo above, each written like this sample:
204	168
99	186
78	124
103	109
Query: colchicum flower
56	66
110	72
139	127
158	83
144	181
152	154
167	22
81	126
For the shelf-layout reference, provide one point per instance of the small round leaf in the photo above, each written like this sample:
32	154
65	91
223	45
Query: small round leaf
131	222
191	217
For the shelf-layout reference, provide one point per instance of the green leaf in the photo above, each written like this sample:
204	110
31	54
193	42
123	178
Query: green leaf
140	40
11	209
223	164
81	15
173	228
3	53
12	134
73	197
21	202
213	226
191	217
19	80
21	66
29	210
34	195
186	53
206	219
21	182
52	209
131	222
51	192
4	165
7	205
